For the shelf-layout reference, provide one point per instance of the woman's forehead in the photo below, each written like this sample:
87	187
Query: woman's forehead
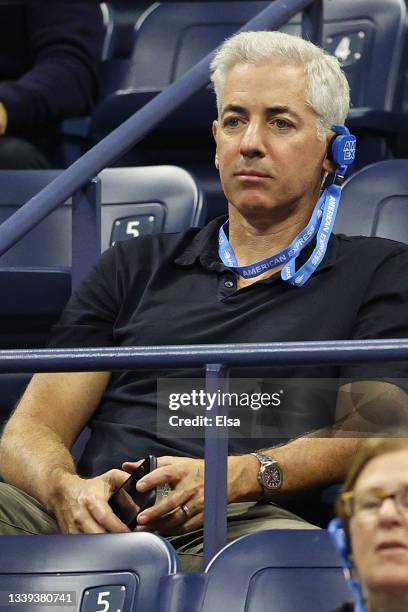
387	470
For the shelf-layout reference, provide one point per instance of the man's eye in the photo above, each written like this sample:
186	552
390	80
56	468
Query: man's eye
281	123
231	122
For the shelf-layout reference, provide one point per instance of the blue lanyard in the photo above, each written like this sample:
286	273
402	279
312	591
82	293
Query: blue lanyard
320	224
326	222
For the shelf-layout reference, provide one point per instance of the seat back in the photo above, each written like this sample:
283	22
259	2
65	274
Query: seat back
266	571
120	19
282	570
367	36
170	38
369	40
109	25
135	201
374	202
94	572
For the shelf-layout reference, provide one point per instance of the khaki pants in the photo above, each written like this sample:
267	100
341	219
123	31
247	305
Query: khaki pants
22	514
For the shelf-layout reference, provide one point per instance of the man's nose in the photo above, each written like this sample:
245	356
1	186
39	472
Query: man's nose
252	142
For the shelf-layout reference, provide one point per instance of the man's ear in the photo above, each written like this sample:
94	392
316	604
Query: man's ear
329	165
215	129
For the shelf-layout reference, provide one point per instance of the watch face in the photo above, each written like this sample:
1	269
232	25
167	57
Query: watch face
271	477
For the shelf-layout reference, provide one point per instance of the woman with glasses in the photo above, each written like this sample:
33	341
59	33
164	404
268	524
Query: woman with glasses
373	508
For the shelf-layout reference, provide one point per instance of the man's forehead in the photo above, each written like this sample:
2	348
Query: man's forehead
269	72
271	85
276	109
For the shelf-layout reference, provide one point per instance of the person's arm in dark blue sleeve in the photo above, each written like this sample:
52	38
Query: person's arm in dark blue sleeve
65	40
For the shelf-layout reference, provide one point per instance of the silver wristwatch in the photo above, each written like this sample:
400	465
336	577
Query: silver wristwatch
270	474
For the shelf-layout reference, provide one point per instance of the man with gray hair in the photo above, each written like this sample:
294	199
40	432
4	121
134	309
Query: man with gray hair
271	271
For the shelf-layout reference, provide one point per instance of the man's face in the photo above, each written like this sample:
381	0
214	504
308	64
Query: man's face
380	540
270	158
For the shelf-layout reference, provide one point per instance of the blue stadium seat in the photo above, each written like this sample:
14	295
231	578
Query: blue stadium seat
101	572
171	37
34	273
74	130
115	67
162	199
368	37
375	201
266	571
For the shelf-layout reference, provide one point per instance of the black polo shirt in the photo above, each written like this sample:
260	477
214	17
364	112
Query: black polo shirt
173	289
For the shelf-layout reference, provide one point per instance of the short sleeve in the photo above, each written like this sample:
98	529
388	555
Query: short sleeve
89	317
383	314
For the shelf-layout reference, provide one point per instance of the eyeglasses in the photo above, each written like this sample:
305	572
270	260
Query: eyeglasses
368	503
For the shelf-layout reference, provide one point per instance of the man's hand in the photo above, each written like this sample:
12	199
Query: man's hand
81	506
3	119
185	476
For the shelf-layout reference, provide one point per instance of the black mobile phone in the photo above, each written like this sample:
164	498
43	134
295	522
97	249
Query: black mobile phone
127	502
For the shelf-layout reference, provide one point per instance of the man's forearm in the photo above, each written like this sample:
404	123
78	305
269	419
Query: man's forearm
34	459
313	462
306	463
322	457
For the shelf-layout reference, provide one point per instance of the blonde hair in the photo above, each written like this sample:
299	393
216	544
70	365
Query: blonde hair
374	447
328	92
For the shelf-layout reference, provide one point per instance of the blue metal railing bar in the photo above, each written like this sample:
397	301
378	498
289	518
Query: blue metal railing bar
312	22
86	230
216	463
129	133
173	356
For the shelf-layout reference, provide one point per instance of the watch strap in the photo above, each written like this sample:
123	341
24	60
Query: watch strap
265	461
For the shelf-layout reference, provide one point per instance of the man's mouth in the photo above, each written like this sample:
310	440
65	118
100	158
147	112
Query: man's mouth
252	173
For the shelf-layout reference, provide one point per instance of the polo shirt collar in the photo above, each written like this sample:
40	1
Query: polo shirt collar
204	247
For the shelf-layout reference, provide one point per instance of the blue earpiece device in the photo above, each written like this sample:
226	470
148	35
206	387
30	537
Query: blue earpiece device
342	150
335	529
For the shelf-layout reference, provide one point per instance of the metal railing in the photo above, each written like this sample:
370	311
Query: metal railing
337	352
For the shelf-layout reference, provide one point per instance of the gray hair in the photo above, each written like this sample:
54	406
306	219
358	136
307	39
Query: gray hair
328	92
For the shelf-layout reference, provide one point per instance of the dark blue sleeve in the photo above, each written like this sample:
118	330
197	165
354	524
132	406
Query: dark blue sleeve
65	43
